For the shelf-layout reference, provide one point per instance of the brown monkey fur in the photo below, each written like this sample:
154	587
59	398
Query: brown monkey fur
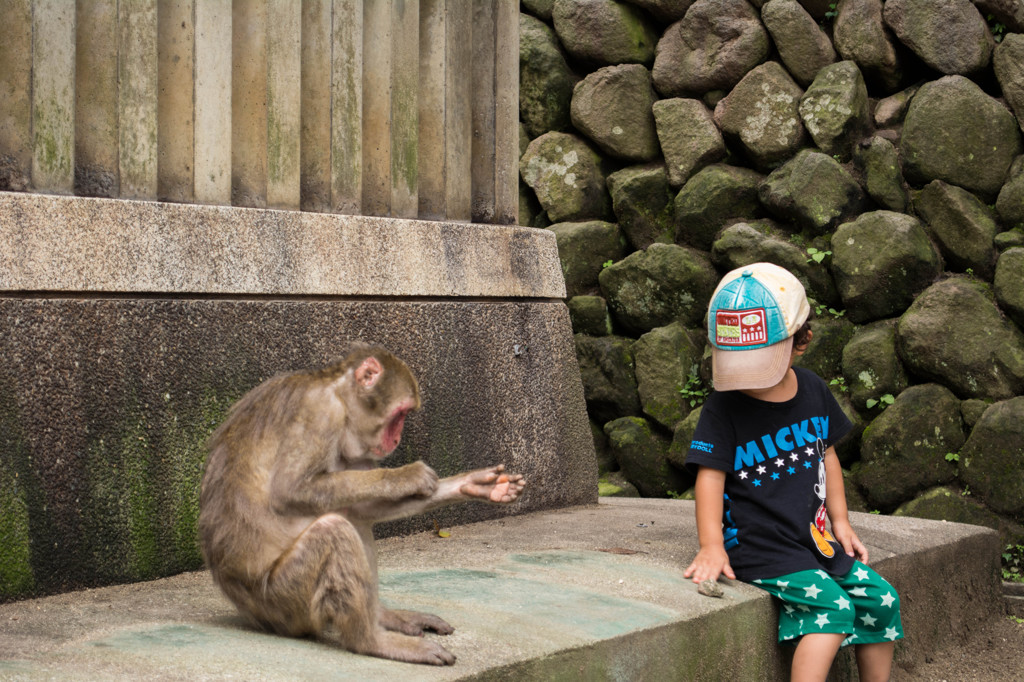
292	489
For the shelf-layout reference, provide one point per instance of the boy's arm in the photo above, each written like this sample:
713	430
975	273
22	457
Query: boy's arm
838	513
712	559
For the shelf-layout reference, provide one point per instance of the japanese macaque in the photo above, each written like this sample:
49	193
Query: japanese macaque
292	489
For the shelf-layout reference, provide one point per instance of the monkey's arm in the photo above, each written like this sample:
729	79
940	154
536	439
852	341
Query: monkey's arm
485	485
339	490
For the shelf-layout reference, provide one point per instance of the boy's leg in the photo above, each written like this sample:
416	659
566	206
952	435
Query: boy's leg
874	661
813	656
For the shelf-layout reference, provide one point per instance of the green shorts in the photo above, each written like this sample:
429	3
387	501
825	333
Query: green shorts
861	604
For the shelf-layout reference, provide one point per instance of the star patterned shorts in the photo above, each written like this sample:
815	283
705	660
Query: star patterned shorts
860	604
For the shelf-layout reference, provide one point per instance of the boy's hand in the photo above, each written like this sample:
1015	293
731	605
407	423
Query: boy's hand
843	533
710	563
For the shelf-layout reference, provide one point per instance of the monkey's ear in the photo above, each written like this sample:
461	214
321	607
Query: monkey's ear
368	372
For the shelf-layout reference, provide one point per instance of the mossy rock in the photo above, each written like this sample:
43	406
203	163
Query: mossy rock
823	356
606	370
583	249
642	456
871	365
904	449
992	460
713	197
665	358
642	201
589	315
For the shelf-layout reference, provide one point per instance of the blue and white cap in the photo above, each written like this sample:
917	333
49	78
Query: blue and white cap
753	315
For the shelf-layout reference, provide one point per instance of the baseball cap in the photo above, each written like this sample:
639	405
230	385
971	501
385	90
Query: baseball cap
753	315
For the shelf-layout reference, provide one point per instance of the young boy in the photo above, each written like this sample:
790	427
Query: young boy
764	455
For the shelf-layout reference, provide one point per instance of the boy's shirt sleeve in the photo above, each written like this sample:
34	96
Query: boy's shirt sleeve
712	439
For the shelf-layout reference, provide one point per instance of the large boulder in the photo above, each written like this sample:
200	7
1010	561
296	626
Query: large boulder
904	449
689	138
956	133
607	372
612	107
604	31
871	365
879	164
813	191
545	79
642	453
948	35
567	176
803	47
716	195
961	226
710	48
642	202
1010	203
744	243
583	248
993	458
880	262
658	286
835	108
762	115
1008	61
1009	284
955	334
1009	13
860	34
666	359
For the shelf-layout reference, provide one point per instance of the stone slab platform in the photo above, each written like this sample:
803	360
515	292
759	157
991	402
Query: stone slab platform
587	592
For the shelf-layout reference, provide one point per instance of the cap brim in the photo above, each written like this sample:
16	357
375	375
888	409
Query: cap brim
737	370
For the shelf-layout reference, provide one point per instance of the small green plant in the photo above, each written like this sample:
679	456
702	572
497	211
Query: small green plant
820	309
1013	563
695	392
607	263
884	401
817	255
831	13
952	457
875	511
1017	619
839	383
966	492
996	27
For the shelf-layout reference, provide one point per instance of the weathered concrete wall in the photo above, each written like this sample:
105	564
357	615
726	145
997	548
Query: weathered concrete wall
127	329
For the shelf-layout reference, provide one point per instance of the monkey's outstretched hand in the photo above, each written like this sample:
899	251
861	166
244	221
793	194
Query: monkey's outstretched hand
493	485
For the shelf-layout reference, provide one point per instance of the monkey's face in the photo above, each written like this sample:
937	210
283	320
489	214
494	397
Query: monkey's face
391	433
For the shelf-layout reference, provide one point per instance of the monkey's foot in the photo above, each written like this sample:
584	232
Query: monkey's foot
493	485
399	647
413	623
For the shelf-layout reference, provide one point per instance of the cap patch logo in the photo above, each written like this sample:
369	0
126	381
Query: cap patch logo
741	328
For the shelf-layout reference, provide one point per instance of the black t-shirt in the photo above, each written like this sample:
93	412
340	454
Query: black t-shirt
773	456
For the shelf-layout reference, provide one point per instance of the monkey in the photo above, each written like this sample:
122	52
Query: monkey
291	490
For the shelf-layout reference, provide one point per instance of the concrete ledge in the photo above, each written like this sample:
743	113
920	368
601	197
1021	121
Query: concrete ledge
82	245
533	597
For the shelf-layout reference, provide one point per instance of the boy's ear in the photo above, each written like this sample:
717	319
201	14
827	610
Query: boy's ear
799	350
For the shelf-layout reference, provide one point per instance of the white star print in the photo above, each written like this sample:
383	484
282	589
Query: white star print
812	591
761	469
823	574
859	592
821	620
861	574
789	609
804	608
809	451
891	634
843	603
743	475
782	584
888	599
780	462
868	620
794	457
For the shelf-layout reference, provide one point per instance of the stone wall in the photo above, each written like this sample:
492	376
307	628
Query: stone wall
872	148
